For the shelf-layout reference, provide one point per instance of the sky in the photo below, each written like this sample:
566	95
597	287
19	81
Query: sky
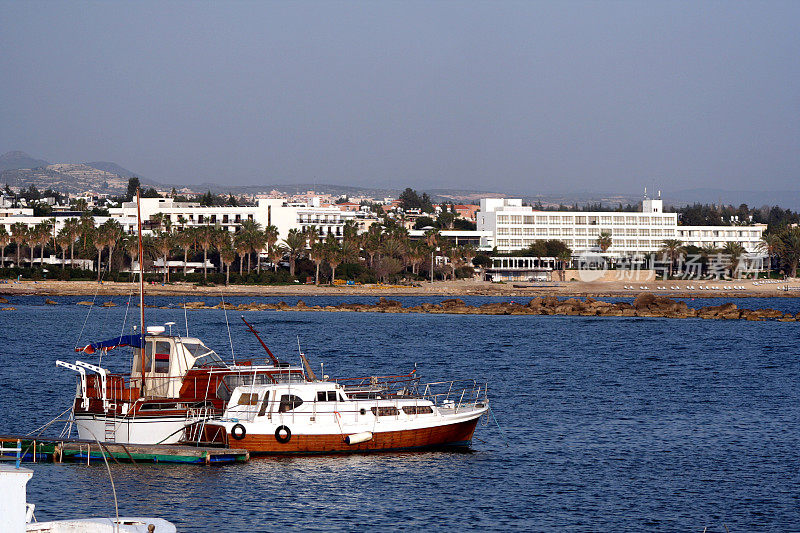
525	97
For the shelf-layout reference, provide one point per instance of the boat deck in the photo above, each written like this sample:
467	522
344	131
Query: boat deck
57	450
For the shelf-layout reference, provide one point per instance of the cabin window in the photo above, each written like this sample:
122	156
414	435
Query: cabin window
264	405
248	399
289	402
327	396
385	411
417	409
162	357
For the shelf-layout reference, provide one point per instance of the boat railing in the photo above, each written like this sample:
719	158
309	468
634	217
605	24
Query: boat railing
457	395
408	383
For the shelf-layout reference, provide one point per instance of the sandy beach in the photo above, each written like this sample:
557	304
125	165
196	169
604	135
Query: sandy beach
608	288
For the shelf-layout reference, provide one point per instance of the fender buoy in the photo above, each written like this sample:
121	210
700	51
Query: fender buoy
238	432
283	434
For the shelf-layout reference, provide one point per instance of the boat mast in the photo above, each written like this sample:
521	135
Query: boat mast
141	292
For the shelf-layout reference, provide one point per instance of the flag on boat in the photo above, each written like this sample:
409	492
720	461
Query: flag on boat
124	340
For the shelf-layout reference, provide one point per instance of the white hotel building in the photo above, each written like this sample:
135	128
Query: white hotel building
516	227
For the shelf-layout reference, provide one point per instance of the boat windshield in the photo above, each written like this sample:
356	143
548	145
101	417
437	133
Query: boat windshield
205	355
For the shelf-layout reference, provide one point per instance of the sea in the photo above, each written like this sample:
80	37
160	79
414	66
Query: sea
598	423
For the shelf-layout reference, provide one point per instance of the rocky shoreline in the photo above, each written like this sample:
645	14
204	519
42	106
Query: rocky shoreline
645	305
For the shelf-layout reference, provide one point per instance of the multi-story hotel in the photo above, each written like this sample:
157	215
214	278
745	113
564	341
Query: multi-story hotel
515	227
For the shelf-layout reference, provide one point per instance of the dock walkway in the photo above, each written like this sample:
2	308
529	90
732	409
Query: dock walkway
57	450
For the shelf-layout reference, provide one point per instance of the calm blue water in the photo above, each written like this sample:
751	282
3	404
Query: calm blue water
608	423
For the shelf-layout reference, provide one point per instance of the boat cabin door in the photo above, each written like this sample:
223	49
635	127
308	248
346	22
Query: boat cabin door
162	368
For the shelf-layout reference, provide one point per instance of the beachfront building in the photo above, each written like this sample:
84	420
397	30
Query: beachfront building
276	212
633	234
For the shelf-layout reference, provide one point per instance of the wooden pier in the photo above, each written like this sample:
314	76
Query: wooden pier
56	450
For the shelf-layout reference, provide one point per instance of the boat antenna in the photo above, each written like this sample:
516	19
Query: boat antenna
254	332
142	388
305	362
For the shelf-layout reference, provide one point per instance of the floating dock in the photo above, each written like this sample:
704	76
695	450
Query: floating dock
57	450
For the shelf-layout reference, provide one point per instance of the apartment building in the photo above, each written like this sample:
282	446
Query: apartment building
515	227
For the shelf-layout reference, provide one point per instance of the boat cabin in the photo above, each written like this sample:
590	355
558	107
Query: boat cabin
167	359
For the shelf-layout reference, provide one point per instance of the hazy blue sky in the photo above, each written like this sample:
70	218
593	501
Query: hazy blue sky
515	96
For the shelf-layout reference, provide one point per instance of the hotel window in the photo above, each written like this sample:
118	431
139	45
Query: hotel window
568	220
592	221
516	231
541	220
617	231
644	220
200	219
566	231
594	231
644	231
605	220
630	220
502	231
529	220
580	231
516	219
580	242
580	220
502	219
567	242
541	231
224	219
516	242
555	231
529	231
619	220
554	220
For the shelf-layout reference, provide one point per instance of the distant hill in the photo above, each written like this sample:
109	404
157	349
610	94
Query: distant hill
17	159
113	168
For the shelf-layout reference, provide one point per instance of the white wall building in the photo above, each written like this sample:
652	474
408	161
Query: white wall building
515	227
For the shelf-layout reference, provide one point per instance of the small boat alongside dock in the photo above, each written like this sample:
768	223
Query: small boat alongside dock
57	450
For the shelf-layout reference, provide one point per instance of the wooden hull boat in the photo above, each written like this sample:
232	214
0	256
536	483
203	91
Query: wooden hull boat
322	417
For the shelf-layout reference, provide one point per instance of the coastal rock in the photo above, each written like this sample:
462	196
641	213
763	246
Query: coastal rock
3	300
108	304
84	303
194	305
9	309
50	302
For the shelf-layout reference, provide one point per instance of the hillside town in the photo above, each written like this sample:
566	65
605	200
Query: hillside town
275	238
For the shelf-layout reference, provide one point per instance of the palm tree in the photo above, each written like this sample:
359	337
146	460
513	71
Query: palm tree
182	223
276	254
163	243
673	248
5	239
317	254
72	230
43	236
706	252
63	241
205	238
99	245
295	244
770	245
227	254
19	234
242	247
432	238
111	232
454	254
250	229
271	236
469	252
790	249
186	240
312	236
130	246
333	255
604	241
372	242
734	251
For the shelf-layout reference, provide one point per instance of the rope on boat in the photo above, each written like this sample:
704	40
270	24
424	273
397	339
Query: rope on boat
39	430
502	433
78	342
225	309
